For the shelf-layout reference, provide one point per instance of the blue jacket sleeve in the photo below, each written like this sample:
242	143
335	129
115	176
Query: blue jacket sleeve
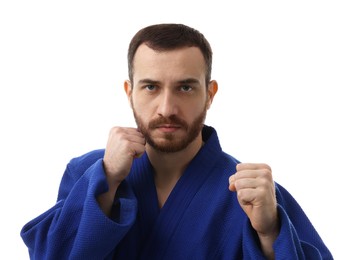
298	239
75	226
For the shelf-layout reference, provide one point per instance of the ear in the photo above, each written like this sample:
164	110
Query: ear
211	92
128	90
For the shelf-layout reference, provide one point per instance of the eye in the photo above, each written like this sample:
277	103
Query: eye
150	87
186	88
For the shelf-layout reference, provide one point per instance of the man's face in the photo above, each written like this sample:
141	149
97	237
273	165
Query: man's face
169	97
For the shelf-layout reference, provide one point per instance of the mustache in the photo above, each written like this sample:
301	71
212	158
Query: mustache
167	120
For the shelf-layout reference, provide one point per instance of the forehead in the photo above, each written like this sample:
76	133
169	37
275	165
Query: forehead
182	62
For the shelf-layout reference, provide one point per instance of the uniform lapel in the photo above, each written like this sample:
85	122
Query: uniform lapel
179	200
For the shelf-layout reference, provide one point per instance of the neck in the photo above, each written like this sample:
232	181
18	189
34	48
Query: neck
168	164
169	167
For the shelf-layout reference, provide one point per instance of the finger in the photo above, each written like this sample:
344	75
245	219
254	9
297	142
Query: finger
242	174
252	166
139	151
129	134
232	187
138	135
137	139
247	183
236	184
231	181
247	196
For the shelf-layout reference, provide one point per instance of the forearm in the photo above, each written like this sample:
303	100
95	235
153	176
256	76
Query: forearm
266	242
106	200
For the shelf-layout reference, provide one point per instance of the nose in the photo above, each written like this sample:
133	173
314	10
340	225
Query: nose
167	104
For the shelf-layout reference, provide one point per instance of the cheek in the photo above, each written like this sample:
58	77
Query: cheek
193	110
142	110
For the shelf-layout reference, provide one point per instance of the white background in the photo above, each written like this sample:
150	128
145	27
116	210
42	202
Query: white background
284	74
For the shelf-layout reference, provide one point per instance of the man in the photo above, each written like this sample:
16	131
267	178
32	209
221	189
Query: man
160	191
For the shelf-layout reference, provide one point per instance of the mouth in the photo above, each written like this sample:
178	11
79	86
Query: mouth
168	128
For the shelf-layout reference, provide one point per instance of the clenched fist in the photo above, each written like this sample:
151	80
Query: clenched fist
123	145
256	195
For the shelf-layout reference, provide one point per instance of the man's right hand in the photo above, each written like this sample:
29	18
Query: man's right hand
123	145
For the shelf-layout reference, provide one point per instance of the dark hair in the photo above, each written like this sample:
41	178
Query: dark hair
169	36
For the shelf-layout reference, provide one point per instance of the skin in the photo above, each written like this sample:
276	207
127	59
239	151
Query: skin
255	189
169	101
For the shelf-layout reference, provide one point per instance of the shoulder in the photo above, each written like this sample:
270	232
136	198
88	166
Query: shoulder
83	162
226	162
213	151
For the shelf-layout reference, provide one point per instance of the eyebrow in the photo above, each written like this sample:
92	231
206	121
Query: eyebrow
148	81
189	81
156	82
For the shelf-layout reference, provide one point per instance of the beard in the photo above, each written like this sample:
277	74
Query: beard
170	143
